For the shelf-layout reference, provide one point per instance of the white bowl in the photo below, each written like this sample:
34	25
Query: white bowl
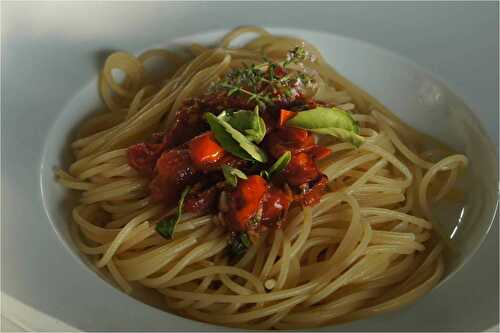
405	88
411	92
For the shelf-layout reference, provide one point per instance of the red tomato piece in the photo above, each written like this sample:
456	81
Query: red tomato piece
202	202
275	206
300	170
288	139
142	156
319	152
174	170
285	116
314	190
245	202
227	159
188	123
205	150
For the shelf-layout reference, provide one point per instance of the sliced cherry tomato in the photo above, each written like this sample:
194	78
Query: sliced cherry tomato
188	123
285	116
142	156
319	152
300	170
313	191
275	206
245	202
288	139
202	202
205	150
174	170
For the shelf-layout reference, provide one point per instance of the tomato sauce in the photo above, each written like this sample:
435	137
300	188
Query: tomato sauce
189	154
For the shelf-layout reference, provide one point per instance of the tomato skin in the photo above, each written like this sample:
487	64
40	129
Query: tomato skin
275	206
188	123
300	170
142	157
301	173
174	170
285	116
318	152
204	150
313	191
203	202
245	202
288	139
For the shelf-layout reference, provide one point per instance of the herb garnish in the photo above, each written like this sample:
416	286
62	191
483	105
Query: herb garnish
167	225
233	140
247	122
232	174
238	245
278	165
265	82
296	56
331	121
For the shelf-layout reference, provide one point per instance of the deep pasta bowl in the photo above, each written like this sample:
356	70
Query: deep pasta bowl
413	94
58	63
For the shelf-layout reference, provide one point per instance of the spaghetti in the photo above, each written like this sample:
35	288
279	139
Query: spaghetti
367	246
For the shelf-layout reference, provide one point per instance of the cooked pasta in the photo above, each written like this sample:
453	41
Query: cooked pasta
366	246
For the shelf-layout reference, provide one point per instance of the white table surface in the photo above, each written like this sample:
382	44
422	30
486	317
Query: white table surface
458	42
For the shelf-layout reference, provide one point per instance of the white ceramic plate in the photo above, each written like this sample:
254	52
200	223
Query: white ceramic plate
49	76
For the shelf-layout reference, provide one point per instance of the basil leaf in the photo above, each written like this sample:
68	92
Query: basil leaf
340	133
238	245
233	140
322	117
280	164
232	174
330	121
248	123
245	240
225	139
167	225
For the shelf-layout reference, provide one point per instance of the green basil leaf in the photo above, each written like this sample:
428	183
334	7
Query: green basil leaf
233	140
166	226
238	245
225	139
340	133
248	123
232	174
330	121
280	164
245	240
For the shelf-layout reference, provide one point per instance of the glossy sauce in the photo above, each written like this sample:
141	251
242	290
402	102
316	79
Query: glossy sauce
188	154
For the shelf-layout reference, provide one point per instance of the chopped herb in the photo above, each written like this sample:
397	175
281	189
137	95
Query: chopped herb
247	122
238	245
167	225
261	99
295	56
280	164
257	218
232	174
225	139
264	82
233	140
245	240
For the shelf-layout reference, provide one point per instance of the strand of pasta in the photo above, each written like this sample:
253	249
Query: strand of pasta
363	249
